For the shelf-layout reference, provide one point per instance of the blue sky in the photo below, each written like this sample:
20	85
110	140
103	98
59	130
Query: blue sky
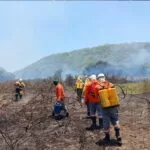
32	30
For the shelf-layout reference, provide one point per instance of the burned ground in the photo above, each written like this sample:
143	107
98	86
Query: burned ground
27	125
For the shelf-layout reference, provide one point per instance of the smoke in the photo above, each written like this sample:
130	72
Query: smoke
69	70
125	60
137	59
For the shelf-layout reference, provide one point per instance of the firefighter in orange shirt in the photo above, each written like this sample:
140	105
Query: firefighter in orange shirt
59	91
60	110
85	96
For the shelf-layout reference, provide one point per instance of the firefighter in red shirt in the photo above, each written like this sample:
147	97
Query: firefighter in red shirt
91	94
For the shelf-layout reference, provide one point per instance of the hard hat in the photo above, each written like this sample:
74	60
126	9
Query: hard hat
101	75
92	77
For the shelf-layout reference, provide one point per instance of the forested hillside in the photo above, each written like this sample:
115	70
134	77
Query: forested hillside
129	59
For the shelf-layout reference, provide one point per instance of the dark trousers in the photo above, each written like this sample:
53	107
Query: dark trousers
18	90
79	94
88	108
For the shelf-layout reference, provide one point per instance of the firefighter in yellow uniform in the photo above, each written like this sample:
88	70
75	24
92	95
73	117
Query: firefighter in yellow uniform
79	88
19	89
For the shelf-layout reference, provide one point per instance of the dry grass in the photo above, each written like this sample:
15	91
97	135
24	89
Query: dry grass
137	87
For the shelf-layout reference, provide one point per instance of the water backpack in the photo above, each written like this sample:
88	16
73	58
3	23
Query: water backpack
59	111
108	98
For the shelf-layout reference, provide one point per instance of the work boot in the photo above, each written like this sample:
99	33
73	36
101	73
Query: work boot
88	115
119	140
118	137
93	126
117	132
106	138
100	123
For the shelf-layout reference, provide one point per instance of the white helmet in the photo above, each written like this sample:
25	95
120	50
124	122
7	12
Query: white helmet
92	77
101	77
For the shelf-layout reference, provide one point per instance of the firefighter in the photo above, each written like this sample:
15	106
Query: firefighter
60	110
110	114
19	84
91	94
85	96
59	91
79	88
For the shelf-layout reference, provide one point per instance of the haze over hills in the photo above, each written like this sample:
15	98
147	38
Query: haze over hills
4	75
127	59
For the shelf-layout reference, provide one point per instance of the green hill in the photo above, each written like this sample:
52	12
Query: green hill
128	57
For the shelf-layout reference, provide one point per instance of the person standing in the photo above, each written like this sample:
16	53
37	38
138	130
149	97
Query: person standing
19	84
85	95
91	94
79	88
110	114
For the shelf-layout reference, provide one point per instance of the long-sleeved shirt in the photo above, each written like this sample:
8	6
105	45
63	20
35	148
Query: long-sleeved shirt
91	93
59	92
92	88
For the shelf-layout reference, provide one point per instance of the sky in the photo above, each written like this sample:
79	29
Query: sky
31	30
